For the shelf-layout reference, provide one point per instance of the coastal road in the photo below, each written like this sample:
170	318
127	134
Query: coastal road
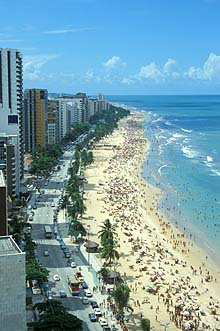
56	262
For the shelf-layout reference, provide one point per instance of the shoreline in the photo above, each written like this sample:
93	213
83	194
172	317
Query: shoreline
164	246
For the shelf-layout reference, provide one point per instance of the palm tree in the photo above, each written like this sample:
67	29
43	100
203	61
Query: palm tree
108	251
106	231
16	227
76	229
145	324
121	296
104	273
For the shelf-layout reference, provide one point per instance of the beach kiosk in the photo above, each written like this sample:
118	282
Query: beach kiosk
91	246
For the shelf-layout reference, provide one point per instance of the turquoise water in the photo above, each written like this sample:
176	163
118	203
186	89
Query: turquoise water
184	160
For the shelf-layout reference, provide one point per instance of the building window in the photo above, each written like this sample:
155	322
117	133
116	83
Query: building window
12	119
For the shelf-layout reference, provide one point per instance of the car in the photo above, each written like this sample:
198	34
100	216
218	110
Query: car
63	294
52	204
69	261
35	207
94	304
67	254
73	264
36	290
29	207
85	286
107	328
46	253
103	322
62	245
49	295
79	276
92	317
85	300
88	293
98	312
56	278
30	218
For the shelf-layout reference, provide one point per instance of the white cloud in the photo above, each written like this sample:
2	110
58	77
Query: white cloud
128	80
210	70
64	31
169	66
33	64
89	75
114	62
150	71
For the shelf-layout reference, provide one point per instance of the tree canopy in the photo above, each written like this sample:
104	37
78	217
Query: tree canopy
54	317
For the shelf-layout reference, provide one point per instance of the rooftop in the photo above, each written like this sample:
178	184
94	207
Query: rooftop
8	246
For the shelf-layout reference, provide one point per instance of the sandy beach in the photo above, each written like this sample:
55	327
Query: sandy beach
171	279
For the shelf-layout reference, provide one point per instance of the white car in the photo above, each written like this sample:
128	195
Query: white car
56	278
103	322
97	311
52	204
88	293
73	264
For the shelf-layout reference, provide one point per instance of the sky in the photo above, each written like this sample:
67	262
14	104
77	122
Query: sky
116	46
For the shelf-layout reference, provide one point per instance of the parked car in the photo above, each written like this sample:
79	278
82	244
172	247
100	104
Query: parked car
98	312
85	285
85	300
46	253
103	322
49	295
107	328
63	294
88	293
92	317
67	255
94	304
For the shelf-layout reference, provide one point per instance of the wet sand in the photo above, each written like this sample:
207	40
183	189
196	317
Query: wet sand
171	279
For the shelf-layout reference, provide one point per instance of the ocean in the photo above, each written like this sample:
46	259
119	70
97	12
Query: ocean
184	160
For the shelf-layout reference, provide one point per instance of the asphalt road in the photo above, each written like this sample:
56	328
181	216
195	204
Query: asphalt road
56	261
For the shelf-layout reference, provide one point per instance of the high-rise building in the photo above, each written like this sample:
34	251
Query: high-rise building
9	161
35	118
82	104
11	85
93	106
12	286
53	128
3	206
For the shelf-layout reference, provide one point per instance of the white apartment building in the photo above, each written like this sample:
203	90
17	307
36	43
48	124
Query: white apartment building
11	115
9	160
12	286
93	107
